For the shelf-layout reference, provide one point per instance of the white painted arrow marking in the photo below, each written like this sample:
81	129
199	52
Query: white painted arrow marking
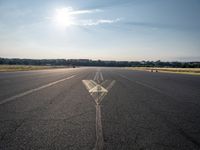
98	88
98	92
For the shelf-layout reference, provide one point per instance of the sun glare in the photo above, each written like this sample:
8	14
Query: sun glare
63	17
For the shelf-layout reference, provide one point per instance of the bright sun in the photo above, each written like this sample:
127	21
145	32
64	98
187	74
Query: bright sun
64	17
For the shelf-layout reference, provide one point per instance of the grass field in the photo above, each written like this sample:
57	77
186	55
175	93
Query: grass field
192	71
9	68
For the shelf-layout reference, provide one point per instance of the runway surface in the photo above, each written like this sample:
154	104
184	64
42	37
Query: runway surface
99	109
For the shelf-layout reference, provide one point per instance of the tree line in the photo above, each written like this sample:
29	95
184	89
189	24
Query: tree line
88	62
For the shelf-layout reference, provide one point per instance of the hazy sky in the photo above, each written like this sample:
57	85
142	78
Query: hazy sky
101	29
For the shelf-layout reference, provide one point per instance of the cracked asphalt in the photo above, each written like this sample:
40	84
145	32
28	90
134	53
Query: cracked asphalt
142	111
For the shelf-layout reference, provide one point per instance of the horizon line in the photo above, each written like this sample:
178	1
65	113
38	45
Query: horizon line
102	59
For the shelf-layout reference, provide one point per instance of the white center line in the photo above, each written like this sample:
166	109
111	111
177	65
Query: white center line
95	77
99	130
101	76
34	90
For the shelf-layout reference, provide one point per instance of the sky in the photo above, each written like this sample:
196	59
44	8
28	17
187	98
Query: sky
167	30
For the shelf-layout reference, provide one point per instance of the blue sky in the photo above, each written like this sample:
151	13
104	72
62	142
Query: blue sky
166	30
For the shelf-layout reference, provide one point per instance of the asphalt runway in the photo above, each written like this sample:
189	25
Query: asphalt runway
99	109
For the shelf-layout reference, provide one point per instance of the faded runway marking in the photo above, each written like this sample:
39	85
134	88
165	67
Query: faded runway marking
33	90
98	92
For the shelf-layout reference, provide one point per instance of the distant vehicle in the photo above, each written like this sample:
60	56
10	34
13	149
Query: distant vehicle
154	70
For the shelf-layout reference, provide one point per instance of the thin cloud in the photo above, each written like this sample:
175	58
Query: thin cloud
97	22
67	16
85	11
71	11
